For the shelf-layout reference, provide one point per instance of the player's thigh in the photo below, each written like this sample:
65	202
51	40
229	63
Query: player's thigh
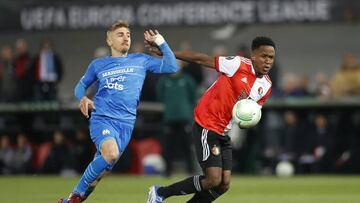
214	174
226	152
207	147
103	132
124	134
110	149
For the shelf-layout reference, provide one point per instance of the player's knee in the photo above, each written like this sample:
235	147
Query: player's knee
225	183
224	187
110	151
211	181
112	156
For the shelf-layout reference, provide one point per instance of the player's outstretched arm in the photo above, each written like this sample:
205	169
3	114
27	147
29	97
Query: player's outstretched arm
196	57
155	39
189	56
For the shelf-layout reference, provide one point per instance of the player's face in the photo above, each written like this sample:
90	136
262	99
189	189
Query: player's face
119	40
263	59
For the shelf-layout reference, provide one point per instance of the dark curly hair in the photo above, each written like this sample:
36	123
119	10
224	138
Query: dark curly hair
262	41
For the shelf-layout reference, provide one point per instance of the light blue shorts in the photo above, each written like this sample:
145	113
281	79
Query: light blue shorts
104	128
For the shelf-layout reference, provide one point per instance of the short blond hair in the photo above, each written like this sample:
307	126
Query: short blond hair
118	24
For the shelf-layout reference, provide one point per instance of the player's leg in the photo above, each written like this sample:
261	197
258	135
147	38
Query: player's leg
109	155
190	185
211	161
103	135
94	170
93	185
225	184
122	139
206	196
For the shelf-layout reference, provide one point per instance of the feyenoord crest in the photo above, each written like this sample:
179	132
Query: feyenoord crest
260	90
215	150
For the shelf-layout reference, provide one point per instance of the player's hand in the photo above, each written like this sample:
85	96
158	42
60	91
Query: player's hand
85	104
154	49
153	37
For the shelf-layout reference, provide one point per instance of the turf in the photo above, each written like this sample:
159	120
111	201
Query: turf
133	189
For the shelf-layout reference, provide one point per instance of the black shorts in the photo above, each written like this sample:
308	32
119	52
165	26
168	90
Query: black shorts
212	149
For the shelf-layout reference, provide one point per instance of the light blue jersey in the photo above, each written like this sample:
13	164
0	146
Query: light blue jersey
120	82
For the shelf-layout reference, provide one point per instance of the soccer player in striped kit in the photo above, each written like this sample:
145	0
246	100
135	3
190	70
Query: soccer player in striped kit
120	77
240	78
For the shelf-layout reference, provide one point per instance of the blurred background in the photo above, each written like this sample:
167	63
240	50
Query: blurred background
312	119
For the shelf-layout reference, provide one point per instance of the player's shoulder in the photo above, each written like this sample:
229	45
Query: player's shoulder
268	79
101	60
245	60
98	64
139	55
246	65
236	60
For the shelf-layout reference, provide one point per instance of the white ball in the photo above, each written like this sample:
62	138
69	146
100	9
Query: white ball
284	169
246	113
153	164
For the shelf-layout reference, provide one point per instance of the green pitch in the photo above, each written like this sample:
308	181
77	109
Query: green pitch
133	189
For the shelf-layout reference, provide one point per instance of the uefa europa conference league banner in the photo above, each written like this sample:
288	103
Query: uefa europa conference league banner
79	15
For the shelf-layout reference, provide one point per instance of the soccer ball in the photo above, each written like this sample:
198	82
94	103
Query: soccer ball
153	164
246	113
284	169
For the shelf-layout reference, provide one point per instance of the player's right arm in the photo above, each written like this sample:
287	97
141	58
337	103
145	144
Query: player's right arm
80	90
167	64
196	57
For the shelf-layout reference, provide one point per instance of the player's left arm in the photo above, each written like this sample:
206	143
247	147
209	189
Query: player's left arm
168	62
86	80
196	57
188	56
81	87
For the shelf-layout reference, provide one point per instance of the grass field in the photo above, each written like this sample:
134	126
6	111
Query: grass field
133	189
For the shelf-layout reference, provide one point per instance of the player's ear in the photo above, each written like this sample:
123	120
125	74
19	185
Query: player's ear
108	40
253	56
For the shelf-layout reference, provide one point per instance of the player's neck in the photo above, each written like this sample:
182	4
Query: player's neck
119	54
258	75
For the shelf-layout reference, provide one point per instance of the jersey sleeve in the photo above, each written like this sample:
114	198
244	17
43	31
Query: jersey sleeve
153	64
264	98
86	80
166	64
89	76
227	64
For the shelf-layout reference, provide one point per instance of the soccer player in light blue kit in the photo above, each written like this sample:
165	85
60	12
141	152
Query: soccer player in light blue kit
121	77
